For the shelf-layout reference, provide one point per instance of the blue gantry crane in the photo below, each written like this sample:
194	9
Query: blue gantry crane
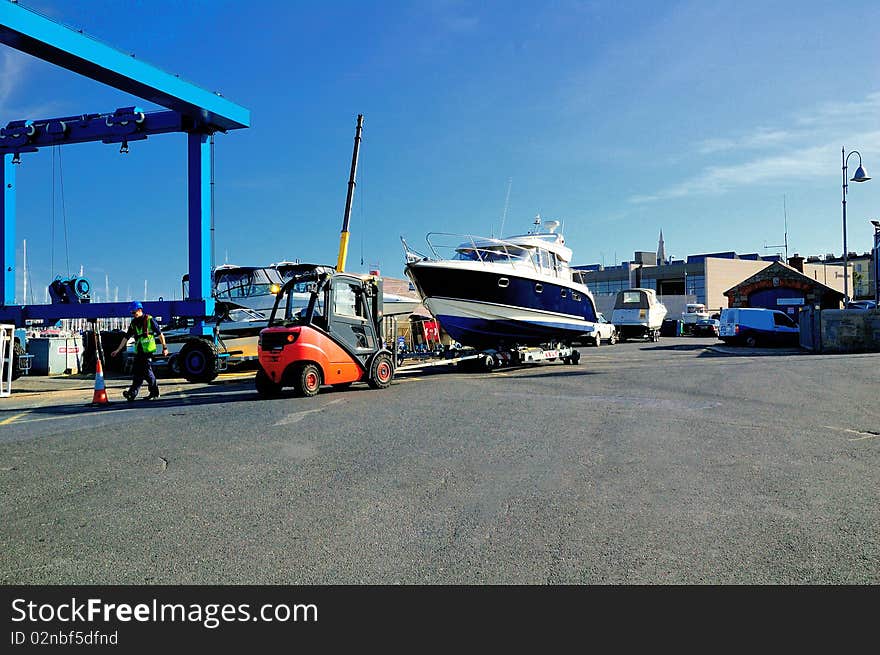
192	110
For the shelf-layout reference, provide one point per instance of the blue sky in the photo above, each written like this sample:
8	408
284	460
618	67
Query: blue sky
618	119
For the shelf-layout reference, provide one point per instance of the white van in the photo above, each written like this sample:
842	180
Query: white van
753	326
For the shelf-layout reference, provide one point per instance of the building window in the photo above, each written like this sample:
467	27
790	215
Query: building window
696	285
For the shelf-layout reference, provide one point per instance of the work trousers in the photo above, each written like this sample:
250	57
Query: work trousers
142	369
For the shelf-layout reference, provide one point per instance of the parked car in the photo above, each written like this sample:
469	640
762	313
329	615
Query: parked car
707	327
862	305
603	331
754	326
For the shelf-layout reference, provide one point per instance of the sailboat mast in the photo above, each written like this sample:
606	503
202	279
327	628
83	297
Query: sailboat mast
343	237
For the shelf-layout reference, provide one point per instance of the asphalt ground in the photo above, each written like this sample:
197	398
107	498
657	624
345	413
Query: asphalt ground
675	462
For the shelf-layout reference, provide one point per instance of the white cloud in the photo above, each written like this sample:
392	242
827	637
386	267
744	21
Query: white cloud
761	138
834	113
837	124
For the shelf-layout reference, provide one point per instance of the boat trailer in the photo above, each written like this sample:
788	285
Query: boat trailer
490	359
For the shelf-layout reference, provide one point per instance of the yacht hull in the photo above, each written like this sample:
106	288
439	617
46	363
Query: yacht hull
492	307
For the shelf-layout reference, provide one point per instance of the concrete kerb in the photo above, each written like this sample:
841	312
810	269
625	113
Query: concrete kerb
745	351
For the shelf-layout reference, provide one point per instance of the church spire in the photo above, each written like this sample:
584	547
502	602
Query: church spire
661	251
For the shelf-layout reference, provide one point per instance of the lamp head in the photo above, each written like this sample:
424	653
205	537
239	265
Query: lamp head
861	175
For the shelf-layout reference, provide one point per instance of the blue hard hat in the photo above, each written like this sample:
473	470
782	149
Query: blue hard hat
135	306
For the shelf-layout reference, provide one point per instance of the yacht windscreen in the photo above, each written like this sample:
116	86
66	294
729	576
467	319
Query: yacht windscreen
631	300
501	253
244	284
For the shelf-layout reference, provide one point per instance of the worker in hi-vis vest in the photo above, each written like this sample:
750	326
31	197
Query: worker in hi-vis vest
145	330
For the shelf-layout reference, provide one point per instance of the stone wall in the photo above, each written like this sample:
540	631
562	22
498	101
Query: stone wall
838	330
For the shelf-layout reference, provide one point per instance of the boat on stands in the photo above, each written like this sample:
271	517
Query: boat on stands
638	313
497	293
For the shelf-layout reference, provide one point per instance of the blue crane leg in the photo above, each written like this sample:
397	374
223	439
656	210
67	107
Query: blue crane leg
7	219
199	182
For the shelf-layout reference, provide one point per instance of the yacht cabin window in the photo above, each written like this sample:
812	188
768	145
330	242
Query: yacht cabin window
494	254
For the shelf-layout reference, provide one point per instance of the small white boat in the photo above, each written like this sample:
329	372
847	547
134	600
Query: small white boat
693	312
638	314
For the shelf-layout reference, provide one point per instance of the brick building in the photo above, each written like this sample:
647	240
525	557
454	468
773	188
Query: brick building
783	287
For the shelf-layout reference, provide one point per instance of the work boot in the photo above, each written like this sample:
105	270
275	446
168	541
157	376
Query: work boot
129	395
154	393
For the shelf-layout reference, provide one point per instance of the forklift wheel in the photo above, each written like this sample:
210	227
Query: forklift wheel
307	380
381	371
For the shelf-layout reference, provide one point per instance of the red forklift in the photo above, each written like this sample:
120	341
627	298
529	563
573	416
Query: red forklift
325	328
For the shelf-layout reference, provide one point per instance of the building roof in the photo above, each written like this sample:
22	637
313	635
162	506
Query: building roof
784	271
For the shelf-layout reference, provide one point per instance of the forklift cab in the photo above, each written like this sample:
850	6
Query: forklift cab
325	328
353	313
348	307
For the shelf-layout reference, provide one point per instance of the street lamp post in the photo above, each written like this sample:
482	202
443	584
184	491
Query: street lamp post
876	225
860	176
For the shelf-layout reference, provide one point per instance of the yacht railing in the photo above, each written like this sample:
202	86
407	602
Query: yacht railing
489	251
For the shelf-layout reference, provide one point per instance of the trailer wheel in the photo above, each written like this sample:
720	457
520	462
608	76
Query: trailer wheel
751	342
174	364
266	387
381	371
575	357
307	380
198	361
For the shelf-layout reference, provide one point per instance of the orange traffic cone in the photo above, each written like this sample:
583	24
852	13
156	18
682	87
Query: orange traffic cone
99	399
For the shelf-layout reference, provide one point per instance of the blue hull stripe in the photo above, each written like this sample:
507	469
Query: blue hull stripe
474	331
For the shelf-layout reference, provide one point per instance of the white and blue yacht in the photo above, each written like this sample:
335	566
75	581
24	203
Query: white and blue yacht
492	293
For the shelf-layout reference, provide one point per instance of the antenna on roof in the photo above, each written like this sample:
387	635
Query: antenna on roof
537	223
506	205
785	244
